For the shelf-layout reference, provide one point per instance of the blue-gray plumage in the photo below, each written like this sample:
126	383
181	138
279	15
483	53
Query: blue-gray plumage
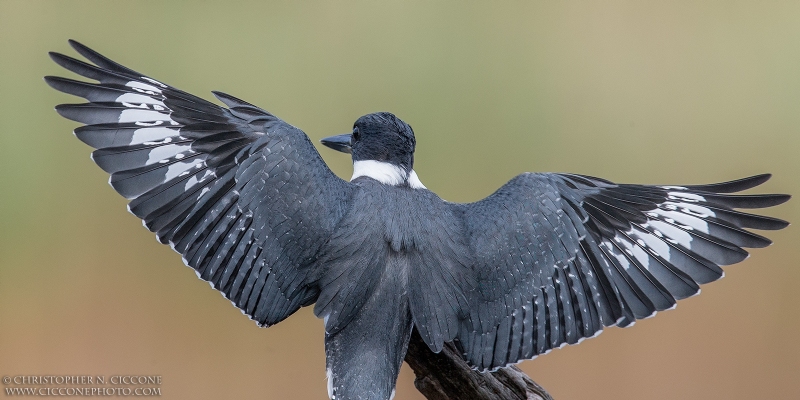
547	260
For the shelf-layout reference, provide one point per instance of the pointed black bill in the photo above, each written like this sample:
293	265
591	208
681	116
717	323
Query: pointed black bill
339	142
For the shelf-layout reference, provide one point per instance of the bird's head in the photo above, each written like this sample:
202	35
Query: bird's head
382	147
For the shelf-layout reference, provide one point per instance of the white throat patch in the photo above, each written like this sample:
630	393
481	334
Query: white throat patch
386	173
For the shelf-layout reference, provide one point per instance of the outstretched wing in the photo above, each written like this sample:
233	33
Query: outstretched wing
558	257
242	195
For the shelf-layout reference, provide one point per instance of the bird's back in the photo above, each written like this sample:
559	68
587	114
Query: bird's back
408	236
397	259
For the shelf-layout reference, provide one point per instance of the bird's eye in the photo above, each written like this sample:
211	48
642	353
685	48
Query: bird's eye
356	134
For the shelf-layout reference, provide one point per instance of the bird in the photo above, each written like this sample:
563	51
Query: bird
548	259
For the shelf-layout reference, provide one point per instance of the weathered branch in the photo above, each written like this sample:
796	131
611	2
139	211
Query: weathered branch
446	376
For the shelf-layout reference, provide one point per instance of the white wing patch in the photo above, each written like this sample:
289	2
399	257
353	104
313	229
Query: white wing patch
145	88
153	134
137	115
139	98
162	153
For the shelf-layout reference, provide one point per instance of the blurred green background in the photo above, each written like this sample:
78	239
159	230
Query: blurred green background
641	92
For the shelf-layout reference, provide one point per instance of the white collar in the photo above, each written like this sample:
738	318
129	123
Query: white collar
386	173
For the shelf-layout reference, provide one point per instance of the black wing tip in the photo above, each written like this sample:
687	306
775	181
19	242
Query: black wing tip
59	58
784	197
70	111
230	101
93	56
233	101
760	178
779	224
61	109
87	52
72	64
757	180
51	80
736	185
56	82
79	47
772	200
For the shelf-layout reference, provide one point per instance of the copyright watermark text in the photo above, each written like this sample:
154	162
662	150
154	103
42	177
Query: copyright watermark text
82	385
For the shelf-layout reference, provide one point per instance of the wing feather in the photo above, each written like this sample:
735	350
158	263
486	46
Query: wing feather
574	254
220	185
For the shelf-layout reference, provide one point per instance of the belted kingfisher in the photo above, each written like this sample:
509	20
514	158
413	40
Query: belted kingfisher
549	259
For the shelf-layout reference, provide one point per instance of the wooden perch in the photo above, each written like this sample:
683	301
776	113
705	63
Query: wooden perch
446	376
